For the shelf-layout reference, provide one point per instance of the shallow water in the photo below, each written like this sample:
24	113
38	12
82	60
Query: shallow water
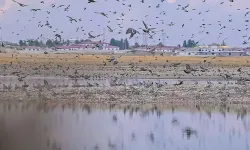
28	127
56	81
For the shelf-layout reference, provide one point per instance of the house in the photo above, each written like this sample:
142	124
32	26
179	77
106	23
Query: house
247	50
110	47
94	43
69	48
187	51
157	48
222	52
32	48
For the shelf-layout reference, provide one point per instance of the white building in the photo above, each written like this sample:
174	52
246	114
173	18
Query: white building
32	48
110	47
169	49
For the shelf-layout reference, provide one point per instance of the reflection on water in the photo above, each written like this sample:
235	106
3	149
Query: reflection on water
29	127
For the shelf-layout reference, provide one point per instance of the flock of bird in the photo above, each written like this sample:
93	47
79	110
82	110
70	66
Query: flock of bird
146	28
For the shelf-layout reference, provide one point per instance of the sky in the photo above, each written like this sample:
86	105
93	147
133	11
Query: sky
21	23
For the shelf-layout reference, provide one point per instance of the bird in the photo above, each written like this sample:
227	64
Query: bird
91	1
91	36
71	19
147	29
58	36
67	8
110	29
132	32
60	6
35	9
102	13
20	4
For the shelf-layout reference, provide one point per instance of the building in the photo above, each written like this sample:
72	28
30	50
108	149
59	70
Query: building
94	43
72	41
187	51
111	47
219	51
210	51
247	50
85	46
32	48
157	48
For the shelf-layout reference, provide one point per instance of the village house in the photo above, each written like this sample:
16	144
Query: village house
157	48
110	47
247	50
211	51
84	46
32	48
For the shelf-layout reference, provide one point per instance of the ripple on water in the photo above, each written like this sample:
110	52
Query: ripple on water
47	127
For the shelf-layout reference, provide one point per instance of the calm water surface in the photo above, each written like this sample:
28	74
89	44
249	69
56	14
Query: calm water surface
28	127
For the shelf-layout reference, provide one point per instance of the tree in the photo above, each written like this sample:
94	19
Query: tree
36	43
121	44
126	43
21	43
190	43
223	43
136	45
160	44
56	42
113	42
77	41
184	44
41	43
67	42
49	43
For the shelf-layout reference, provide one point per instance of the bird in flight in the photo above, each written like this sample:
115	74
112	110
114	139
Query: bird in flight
102	13
35	9
71	19
92	37
132	32
20	4
91	1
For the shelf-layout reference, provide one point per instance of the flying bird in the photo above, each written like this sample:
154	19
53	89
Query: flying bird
71	19
58	36
20	4
102	13
92	37
35	10
91	1
132	32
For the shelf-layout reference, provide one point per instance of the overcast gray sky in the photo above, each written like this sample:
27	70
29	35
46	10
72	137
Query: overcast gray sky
211	11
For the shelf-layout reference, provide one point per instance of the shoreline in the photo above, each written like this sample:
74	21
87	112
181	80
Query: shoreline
152	81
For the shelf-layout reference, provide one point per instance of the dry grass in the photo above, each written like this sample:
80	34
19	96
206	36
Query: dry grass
6	58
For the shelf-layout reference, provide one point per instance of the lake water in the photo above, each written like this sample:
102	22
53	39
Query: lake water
29	127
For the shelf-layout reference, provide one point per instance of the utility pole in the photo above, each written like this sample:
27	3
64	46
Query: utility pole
136	39
163	38
103	35
145	42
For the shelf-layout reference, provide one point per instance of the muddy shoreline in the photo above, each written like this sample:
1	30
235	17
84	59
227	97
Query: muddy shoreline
132	80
